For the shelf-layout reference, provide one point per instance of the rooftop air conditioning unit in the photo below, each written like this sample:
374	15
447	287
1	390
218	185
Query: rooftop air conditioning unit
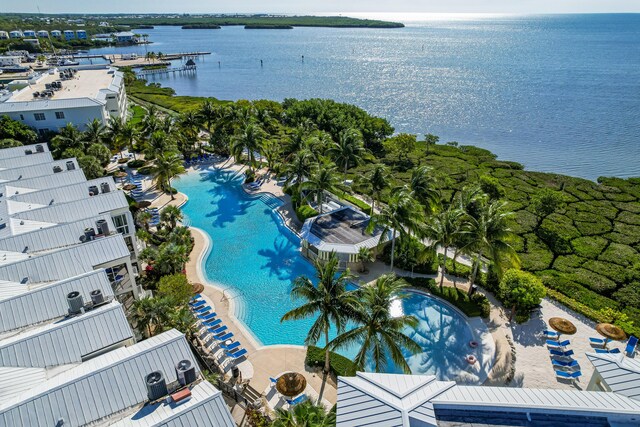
103	227
186	372
156	386
39	148
93	190
97	297
89	234
76	304
104	187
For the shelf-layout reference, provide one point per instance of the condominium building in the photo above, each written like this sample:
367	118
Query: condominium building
51	100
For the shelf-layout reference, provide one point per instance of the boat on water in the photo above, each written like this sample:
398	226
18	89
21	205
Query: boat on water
67	62
14	69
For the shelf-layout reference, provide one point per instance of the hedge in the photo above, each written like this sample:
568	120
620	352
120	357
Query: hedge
340	365
305	212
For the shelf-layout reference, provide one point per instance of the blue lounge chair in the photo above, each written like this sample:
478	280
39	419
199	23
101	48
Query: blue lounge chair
631	345
213	323
273	380
237	354
561	353
217	331
231	346
297	400
201	310
551	334
195	297
568	375
552	343
198	303
206	317
606	350
597	341
225	337
562	364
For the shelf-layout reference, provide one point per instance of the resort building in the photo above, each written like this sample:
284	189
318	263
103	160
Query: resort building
15	34
29	33
125	37
34	42
81	34
4	35
154	383
616	373
422	400
10	60
343	231
43	33
69	34
56	34
51	100
23	150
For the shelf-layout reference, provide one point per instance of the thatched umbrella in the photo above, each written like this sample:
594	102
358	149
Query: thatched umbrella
144	204
610	332
120	175
291	384
562	325
129	187
196	288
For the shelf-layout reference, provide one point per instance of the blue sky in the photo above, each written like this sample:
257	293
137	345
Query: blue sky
320	6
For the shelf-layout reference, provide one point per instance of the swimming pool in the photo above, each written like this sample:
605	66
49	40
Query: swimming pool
256	258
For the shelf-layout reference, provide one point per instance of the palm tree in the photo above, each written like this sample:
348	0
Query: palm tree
171	215
249	140
149	314
444	229
376	181
298	167
329	301
167	166
190	124
182	319
323	179
305	414
144	219
490	236
423	186
95	133
150	122
129	133
208	114
114	135
379	333
348	150
403	215
68	137
159	142
365	255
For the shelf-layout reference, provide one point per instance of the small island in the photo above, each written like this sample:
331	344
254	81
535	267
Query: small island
267	27
201	27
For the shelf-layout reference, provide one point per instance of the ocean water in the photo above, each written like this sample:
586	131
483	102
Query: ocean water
558	93
255	259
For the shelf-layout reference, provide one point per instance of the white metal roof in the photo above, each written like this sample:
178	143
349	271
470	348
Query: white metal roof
33	306
40	182
67	340
621	373
205	407
12	152
64	193
67	262
21	161
31	171
49	104
100	387
55	237
395	400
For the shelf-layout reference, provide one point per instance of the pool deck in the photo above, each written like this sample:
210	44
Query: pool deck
532	365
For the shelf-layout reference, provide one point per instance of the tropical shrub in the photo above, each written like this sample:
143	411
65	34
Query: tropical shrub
521	290
340	365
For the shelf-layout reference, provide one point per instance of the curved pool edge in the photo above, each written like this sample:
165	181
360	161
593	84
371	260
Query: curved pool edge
480	332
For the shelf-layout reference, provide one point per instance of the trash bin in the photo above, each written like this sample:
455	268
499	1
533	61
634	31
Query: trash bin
473	290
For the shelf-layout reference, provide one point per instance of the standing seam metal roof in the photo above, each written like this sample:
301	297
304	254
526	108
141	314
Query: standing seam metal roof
621	373
67	340
49	302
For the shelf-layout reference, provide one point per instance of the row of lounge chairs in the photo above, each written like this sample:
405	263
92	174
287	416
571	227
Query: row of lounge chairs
203	158
564	365
629	350
217	333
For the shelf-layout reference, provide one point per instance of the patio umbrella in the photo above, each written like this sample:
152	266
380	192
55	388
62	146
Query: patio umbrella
291	384
610	332
129	187
121	175
144	204
562	325
196	288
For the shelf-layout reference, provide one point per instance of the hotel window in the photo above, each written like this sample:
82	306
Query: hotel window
121	224
59	115
39	116
21	117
